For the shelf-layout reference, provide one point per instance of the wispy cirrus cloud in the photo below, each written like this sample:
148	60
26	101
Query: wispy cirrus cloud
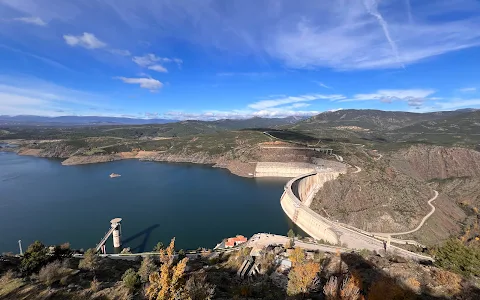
31	20
388	96
146	83
468	89
152	62
263	104
32	96
86	40
323	85
343	35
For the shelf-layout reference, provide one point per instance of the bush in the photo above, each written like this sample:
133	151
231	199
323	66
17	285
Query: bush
198	288
53	272
146	268
159	246
458	258
131	280
94	285
90	261
181	254
34	258
291	234
449	280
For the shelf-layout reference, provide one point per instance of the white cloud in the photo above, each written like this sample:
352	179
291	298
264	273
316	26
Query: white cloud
344	36
468	89
145	83
263	104
31	20
158	68
323	85
146	60
388	96
87	40
236	114
457	104
151	61
23	95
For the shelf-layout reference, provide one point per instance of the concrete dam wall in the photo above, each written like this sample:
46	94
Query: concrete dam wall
299	192
279	169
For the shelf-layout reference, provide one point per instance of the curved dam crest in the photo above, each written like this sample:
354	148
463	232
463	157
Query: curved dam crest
295	202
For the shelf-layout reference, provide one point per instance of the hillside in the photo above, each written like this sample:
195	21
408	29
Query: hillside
368	120
390	193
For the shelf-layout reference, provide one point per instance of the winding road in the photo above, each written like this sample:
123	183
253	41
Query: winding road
419	225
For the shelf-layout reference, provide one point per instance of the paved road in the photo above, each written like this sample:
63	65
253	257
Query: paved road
261	240
353	237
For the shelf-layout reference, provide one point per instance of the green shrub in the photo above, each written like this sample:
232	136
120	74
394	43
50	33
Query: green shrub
34	258
90	261
146	268
453	255
131	280
181	254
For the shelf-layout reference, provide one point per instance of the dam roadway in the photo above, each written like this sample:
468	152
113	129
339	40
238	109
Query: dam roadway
301	189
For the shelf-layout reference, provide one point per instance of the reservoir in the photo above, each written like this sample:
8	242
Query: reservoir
199	205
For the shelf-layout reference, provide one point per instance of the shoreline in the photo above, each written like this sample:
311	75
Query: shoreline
242	169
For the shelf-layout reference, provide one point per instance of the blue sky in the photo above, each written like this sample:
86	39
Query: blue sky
213	59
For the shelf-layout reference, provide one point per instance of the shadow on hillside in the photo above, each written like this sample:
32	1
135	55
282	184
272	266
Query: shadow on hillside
376	284
142	237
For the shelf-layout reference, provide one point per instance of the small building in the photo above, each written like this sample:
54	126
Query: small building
235	241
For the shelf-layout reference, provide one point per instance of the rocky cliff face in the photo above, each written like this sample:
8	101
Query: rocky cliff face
391	194
430	162
378	199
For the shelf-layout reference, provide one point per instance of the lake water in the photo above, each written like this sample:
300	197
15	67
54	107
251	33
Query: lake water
42	200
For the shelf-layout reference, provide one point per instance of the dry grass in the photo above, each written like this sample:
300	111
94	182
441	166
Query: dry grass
8	284
450	281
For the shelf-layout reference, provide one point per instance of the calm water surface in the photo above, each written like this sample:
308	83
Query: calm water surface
199	205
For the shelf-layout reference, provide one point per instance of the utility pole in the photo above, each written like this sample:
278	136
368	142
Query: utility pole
20	246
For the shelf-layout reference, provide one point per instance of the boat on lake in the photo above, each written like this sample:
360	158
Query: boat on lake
113	175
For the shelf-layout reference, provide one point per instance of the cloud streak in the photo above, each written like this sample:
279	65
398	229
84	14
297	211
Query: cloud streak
145	83
264	104
31	20
372	8
86	40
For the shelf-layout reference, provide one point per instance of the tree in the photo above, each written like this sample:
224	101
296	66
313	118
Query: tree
34	258
198	288
291	234
453	255
297	256
146	268
289	244
301	278
159	246
181	254
131	280
90	261
168	284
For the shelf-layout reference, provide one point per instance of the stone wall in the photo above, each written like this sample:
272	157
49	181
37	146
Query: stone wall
278	169
298	192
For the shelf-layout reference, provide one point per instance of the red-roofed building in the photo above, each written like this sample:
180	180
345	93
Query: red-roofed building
232	242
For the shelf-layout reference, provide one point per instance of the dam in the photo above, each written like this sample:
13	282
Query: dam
296	199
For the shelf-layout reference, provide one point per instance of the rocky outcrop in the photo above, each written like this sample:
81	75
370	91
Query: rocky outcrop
430	162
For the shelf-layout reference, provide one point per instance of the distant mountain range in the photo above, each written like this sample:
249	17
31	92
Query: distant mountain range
26	120
77	120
